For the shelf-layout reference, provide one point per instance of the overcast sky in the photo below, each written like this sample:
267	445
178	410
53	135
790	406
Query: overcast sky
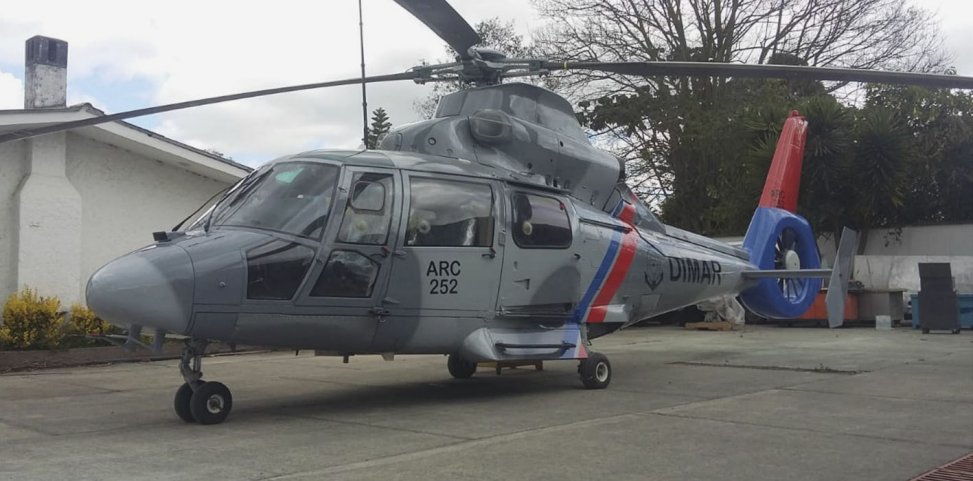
125	55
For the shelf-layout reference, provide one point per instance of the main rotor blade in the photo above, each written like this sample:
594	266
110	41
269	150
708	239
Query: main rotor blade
714	69
27	133
443	20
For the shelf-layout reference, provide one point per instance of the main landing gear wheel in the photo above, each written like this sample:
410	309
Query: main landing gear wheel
181	403
460	368
211	403
595	371
197	400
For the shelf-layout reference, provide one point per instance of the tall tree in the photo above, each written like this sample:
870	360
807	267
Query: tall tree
379	127
938	124
494	33
681	134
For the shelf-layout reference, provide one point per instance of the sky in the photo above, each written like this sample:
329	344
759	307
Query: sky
123	55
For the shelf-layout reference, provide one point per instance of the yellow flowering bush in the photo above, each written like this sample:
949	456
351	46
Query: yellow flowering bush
84	321
31	321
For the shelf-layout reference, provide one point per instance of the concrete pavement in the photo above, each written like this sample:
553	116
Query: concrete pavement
765	403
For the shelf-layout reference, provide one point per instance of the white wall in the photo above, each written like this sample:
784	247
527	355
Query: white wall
12	169
126	197
890	260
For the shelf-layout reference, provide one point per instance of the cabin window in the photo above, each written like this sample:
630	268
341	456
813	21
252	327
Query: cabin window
290	197
369	210
450	213
275	270
540	222
347	274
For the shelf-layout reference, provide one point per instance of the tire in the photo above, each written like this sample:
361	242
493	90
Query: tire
460	368
211	403
596	371
182	401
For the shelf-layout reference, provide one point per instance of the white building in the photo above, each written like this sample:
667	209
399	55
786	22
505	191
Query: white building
70	202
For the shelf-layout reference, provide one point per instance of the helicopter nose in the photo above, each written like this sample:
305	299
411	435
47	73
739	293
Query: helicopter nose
152	287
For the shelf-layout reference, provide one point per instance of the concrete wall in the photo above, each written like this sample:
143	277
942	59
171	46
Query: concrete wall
13	166
890	259
123	198
126	197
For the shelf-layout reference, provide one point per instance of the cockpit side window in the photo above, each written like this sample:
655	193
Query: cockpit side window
291	197
276	269
540	222
347	274
450	213
369	210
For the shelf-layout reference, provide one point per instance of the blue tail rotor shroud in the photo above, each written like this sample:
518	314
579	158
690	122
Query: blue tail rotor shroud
767	299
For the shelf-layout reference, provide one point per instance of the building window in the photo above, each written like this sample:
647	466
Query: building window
540	222
450	213
369	210
275	270
347	274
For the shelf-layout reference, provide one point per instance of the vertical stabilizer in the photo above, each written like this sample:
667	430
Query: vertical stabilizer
840	274
779	239
784	176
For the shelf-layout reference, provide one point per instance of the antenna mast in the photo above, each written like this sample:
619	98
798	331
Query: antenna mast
364	102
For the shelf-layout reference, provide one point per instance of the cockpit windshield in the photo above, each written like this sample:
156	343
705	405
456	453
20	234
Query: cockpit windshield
290	197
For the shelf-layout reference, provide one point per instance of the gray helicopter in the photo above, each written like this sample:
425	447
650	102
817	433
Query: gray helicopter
494	231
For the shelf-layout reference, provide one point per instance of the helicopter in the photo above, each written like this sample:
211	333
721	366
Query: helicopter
494	231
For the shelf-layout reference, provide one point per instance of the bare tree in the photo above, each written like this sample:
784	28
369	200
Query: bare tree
651	121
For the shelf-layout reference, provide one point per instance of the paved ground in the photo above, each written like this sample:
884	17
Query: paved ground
769	403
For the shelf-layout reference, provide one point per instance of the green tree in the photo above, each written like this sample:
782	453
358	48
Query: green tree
938	123
689	138
379	127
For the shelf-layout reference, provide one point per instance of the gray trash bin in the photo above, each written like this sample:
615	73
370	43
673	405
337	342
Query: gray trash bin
937	296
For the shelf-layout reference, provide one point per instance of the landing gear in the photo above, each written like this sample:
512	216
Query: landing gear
460	368
595	371
211	403
181	403
197	400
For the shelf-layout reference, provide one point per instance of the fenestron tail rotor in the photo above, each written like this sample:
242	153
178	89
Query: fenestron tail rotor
786	258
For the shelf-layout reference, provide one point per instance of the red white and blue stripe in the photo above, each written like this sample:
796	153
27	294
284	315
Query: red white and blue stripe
609	277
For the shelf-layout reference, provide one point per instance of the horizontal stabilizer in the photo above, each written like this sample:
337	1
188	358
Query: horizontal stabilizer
787	273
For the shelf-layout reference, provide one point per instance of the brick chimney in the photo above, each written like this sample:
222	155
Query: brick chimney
46	71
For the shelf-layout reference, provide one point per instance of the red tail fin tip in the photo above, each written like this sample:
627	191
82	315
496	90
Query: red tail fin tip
784	177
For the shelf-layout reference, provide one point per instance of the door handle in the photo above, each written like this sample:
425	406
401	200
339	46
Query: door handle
379	311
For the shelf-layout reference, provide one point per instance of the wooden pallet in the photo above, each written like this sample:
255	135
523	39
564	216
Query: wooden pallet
711	326
499	366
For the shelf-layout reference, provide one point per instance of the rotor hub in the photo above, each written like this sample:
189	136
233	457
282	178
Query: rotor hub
792	260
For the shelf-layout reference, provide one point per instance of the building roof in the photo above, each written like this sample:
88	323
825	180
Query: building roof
129	137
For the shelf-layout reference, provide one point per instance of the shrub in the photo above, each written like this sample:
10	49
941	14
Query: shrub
83	322
31	321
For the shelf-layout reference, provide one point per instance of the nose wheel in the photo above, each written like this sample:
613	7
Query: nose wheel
199	401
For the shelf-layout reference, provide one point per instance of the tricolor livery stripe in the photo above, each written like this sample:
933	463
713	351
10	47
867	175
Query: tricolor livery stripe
612	270
608	278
